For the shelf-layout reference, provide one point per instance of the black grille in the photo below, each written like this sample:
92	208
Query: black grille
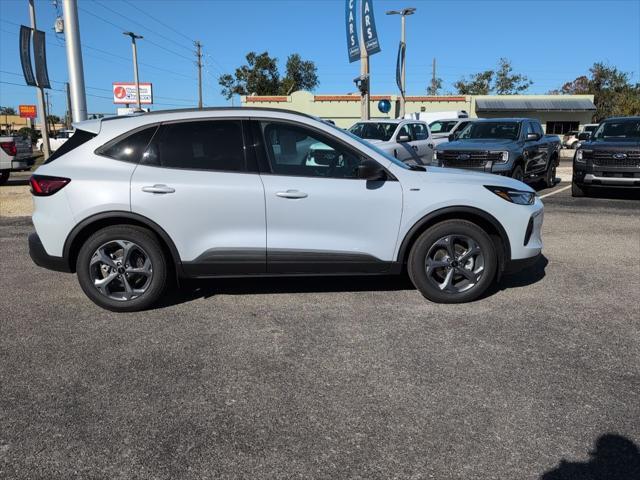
468	160
606	159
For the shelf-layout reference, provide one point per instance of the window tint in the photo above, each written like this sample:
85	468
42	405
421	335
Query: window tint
420	131
202	145
130	148
293	150
77	139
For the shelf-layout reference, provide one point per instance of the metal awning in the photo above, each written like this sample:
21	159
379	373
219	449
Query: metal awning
535	104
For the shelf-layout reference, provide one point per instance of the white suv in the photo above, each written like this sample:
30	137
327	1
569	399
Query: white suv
129	202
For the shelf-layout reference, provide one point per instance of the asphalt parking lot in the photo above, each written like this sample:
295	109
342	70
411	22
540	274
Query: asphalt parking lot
334	378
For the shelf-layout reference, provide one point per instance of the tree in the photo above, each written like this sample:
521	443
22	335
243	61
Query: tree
434	86
260	76
7	111
507	83
612	92
501	81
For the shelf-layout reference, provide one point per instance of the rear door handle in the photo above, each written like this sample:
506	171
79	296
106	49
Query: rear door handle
158	188
292	194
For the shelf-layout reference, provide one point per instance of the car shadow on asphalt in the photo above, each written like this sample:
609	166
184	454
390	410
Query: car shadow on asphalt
194	289
615	193
614	458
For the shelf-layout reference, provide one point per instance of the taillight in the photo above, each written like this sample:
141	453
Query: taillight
43	186
9	148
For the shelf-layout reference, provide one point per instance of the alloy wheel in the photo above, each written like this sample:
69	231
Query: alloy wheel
455	263
121	270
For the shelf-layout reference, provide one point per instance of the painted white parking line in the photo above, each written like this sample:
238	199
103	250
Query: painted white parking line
556	191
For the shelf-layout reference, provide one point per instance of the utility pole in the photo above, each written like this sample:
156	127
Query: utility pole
40	93
403	46
135	65
199	56
74	60
364	77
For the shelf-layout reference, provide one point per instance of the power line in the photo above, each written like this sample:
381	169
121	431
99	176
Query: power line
158	21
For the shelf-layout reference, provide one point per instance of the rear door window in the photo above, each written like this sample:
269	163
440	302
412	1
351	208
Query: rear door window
420	131
77	139
131	147
200	145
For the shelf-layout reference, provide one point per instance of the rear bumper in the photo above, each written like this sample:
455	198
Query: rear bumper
22	164
41	258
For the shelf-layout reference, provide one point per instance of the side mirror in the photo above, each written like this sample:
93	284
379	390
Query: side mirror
403	139
584	136
371	170
532	137
452	137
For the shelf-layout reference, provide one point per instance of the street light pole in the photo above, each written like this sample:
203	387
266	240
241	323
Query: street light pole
403	72
40	93
74	60
135	65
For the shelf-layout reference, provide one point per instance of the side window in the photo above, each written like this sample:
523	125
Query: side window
460	126
538	129
528	129
201	145
436	127
420	131
406	130
130	148
293	150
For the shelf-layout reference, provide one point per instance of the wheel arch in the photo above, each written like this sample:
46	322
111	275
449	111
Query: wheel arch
91	224
483	219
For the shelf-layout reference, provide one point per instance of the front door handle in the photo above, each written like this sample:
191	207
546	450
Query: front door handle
158	188
430	145
292	194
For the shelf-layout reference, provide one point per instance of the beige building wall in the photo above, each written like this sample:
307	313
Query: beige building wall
344	110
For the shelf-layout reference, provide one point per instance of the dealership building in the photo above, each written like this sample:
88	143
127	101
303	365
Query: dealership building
557	113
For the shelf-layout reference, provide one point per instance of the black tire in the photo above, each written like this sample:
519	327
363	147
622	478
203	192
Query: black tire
517	173
149	245
4	177
550	174
577	190
416	264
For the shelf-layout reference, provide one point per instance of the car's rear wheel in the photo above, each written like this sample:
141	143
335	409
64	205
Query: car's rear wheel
453	262
122	268
577	190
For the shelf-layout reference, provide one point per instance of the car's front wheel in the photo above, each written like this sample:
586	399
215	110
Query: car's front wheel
453	262
4	177
122	268
578	190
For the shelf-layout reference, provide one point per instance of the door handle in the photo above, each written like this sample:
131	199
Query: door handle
158	188
415	147
292	194
430	145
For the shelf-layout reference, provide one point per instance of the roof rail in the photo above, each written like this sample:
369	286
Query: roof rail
211	109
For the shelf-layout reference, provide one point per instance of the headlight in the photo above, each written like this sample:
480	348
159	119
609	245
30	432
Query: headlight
504	156
580	155
514	196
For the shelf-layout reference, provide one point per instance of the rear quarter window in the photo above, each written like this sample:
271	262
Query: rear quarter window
129	148
78	138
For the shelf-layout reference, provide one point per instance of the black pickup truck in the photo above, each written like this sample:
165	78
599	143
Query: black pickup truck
609	158
516	147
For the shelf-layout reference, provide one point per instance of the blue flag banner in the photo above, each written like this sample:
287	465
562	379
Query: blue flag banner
369	32
353	42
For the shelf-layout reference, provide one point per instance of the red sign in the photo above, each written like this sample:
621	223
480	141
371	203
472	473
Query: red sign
27	111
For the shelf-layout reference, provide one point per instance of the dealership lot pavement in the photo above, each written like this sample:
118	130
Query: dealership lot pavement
332	378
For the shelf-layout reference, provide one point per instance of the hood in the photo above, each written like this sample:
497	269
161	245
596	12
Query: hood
477	144
468	177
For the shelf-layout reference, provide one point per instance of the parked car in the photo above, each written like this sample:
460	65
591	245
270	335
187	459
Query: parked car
448	129
407	140
16	154
514	147
128	202
610	158
56	141
431	116
570	139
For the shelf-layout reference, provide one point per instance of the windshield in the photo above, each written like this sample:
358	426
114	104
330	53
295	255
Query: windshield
627	130
373	147
374	131
506	130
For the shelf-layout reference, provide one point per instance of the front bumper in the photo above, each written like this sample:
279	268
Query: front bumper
41	258
594	175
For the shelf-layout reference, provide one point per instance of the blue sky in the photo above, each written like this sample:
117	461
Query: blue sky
550	41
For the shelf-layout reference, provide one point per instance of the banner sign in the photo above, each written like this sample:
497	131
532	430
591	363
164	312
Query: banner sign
399	65
369	32
25	55
27	111
125	92
40	57
353	42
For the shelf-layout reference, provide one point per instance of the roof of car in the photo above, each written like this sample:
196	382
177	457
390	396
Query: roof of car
617	119
522	119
